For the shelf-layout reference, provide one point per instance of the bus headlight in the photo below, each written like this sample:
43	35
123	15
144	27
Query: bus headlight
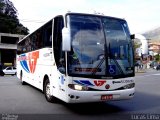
132	85
78	87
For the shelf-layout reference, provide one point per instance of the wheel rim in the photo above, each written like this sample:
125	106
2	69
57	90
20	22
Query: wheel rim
48	91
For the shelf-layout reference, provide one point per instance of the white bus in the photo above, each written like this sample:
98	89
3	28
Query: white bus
78	58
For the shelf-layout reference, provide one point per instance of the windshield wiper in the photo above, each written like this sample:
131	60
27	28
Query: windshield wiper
98	66
117	64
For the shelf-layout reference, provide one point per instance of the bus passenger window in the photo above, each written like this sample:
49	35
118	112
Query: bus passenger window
48	40
48	35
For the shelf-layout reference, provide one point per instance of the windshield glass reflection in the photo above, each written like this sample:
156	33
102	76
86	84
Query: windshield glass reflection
101	46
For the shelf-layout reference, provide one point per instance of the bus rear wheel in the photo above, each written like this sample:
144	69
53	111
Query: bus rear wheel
47	92
21	78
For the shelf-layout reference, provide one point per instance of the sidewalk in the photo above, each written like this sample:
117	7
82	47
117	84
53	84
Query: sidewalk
140	70
145	70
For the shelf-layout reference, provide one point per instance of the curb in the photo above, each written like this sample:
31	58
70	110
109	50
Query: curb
140	71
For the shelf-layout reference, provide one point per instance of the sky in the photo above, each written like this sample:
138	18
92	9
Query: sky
141	15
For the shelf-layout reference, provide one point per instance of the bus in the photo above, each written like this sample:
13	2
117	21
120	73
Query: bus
79	57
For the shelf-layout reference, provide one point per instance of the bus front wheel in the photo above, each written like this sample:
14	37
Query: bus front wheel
47	92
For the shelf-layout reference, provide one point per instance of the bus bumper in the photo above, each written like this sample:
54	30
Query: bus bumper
75	96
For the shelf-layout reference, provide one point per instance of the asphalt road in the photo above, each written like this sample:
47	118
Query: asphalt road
26	102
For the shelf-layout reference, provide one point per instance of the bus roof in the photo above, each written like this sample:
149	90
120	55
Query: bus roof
94	14
73	13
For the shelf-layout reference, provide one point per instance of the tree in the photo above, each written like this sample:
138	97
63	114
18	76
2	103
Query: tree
157	57
1	6
9	22
137	45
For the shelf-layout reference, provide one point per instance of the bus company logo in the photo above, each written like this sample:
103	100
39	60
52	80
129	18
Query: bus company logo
29	66
88	83
84	82
99	82
116	82
123	81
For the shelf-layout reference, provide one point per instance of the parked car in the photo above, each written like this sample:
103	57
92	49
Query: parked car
153	64
10	70
158	67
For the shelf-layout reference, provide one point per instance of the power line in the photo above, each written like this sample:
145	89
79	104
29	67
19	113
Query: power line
25	20
33	21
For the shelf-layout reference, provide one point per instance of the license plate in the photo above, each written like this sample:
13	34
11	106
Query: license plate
106	97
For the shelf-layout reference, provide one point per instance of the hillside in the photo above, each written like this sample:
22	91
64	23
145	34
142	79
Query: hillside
154	35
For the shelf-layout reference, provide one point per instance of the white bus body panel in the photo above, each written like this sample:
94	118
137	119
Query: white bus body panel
65	92
38	64
35	65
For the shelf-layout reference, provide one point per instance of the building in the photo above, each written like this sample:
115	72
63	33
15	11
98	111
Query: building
143	43
154	47
8	48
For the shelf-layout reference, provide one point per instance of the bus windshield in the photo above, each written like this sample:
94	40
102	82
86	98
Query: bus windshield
101	47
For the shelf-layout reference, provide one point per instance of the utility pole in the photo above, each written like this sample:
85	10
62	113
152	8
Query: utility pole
148	57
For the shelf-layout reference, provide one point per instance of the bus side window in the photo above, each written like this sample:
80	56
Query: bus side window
48	35
57	43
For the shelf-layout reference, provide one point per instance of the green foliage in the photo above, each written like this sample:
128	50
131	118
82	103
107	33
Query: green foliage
157	57
1	5
136	45
9	22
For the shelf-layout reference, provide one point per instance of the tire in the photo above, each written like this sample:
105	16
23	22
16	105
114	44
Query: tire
2	73
47	91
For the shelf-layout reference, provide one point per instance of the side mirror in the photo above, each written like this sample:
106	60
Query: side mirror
66	39
132	36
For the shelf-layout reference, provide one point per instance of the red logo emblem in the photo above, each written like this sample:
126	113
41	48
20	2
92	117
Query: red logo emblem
33	60
99	82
